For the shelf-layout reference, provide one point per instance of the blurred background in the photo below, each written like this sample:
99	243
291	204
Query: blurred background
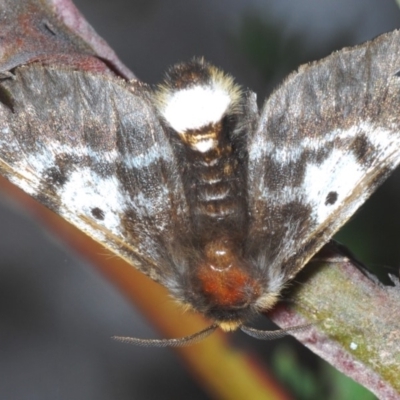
57	313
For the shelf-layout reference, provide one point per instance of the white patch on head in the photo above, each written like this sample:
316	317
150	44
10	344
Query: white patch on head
196	106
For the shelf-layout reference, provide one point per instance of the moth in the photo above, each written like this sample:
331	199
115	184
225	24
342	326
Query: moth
190	182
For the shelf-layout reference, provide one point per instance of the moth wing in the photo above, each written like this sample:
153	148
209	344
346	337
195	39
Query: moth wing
326	139
91	148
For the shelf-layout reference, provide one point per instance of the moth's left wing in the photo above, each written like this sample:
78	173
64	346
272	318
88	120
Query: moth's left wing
91	148
326	139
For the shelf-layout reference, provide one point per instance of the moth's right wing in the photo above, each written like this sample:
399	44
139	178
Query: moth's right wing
326	139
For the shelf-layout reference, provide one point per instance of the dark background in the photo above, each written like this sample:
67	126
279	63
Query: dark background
57	314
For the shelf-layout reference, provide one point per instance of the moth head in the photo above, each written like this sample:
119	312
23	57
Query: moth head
196	95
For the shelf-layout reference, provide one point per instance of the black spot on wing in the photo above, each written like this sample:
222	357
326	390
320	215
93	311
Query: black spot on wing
97	213
331	198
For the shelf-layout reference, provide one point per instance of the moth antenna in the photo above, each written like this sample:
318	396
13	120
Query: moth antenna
184	341
272	335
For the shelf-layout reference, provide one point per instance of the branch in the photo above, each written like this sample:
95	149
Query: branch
357	323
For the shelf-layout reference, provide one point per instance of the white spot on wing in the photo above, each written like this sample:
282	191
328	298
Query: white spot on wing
195	107
86	190
339	172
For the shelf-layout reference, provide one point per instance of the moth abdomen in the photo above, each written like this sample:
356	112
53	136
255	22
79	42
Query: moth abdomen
214	193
